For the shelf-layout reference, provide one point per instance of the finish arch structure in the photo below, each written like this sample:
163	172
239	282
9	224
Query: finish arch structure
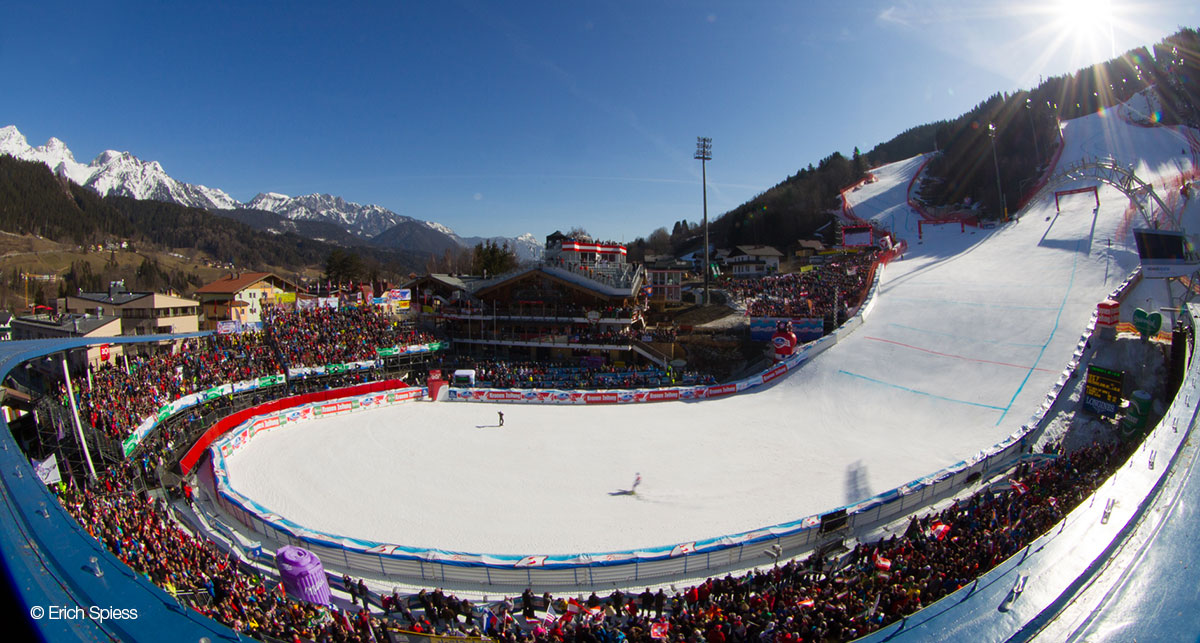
1155	213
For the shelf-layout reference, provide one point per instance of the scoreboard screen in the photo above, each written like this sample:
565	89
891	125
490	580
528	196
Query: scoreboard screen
1102	390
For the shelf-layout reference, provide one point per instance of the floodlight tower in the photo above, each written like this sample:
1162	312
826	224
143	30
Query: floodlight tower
704	154
1037	152
999	188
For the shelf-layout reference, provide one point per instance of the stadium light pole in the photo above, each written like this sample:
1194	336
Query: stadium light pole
1037	152
995	162
704	154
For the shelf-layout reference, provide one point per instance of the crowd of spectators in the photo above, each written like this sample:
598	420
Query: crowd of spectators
660	334
560	310
848	596
119	397
824	290
318	336
139	531
491	373
599	334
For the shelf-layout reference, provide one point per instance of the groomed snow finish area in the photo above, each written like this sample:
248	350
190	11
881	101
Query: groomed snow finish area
967	335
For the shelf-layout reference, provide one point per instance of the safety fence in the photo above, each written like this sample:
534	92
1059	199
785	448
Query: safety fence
193	399
229	422
188	401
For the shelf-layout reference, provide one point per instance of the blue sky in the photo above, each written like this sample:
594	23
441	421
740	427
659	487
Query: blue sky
499	118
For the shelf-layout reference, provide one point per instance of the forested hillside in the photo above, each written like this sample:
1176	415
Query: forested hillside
962	174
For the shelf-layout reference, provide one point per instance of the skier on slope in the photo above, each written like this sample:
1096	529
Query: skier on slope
636	481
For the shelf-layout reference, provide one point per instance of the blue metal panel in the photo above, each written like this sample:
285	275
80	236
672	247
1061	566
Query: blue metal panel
48	556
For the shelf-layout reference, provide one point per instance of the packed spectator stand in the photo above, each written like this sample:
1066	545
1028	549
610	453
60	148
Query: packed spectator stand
120	396
826	289
331	336
490	373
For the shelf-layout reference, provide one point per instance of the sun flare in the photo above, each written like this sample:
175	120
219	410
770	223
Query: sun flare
1086	25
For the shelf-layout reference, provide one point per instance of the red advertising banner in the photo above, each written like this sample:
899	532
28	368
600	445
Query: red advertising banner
776	371
600	398
723	389
336	407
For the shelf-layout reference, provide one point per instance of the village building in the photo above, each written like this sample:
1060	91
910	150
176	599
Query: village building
141	313
239	298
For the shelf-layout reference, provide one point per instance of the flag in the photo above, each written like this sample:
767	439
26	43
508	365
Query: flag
659	630
490	621
881	563
1020	488
874	606
939	530
808	602
47	470
573	608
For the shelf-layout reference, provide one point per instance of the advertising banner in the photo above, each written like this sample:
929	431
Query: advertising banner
719	390
807	329
171	408
600	398
774	372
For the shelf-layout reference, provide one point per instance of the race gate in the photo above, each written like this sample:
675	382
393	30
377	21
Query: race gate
1061	193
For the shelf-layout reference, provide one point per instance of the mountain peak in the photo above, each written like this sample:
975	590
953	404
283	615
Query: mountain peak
123	174
109	156
12	142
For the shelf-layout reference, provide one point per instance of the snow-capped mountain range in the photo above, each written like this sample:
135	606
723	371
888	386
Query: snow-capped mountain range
363	220
122	174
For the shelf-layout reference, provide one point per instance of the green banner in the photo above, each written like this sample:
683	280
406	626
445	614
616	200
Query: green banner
387	352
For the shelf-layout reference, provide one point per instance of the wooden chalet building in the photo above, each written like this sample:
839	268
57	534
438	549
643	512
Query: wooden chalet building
580	302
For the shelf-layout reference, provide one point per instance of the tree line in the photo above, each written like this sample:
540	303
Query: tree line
34	201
